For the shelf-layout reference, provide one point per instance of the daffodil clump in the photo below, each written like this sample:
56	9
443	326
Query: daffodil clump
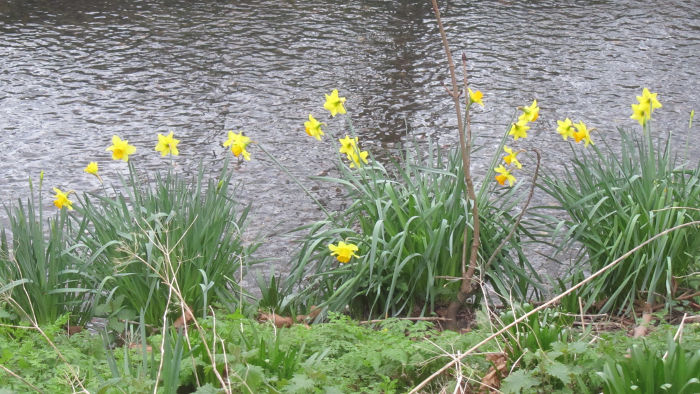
617	201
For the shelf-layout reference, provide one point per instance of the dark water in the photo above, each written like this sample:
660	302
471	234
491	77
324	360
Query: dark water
75	72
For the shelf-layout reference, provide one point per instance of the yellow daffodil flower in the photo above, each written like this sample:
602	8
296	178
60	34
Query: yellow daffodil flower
167	145
504	175
511	158
343	252
640	113
355	158
582	133
565	128
647	104
475	97
519	130
313	127
334	103
238	143
62	200
92	169
348	145
121	149
530	113
649	98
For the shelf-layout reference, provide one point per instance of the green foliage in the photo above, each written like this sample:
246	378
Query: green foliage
538	332
274	298
339	356
564	367
616	202
27	353
172	230
648	371
139	363
43	273
408	221
575	364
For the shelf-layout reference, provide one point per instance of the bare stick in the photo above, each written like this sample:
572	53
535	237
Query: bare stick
20	378
465	146
405	318
552	301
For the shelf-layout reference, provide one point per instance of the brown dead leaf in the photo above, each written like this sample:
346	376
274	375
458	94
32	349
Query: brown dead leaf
73	329
643	328
139	346
311	316
277	320
184	319
499	369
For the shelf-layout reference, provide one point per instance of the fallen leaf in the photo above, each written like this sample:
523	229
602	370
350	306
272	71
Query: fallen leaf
184	319
277	320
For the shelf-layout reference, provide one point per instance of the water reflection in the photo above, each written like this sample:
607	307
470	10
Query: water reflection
74	73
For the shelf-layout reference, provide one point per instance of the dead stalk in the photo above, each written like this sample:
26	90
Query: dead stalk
465	146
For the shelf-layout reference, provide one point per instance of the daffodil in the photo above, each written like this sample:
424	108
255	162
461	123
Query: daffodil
343	252
640	113
238	143
582	133
511	158
348	145
121	149
313	127
519	130
167	145
92	170
565	128
504	175
334	103
649	98
355	158
647	104
62	200
475	97
530	113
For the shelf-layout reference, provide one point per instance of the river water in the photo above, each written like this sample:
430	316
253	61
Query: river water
75	72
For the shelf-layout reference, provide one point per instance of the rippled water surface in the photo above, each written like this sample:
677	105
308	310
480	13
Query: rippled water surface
75	72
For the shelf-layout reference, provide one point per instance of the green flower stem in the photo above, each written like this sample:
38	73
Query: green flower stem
289	174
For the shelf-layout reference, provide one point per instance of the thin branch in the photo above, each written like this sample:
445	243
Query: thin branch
20	378
435	318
